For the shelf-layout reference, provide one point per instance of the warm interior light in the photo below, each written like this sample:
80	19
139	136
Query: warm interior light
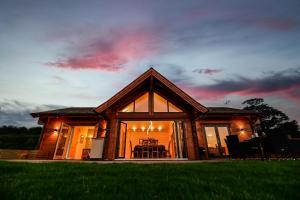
143	128
55	131
159	128
242	130
152	128
134	128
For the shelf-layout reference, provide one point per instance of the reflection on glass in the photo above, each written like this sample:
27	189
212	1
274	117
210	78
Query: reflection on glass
160	104
141	104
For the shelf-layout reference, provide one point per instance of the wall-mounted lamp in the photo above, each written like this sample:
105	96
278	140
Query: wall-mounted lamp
52	130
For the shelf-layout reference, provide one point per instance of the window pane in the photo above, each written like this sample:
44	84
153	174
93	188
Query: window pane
212	143
160	104
173	108
128	108
141	104
223	132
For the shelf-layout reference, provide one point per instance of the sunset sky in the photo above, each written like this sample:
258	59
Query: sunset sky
57	54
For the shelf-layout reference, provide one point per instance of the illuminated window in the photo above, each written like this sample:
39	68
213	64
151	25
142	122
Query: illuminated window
173	108
138	105
141	104
160	104
163	105
128	108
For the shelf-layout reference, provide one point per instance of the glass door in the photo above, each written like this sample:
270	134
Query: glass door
122	140
215	137
63	142
179	139
223	132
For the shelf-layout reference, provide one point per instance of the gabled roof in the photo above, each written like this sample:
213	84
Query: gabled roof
151	72
79	111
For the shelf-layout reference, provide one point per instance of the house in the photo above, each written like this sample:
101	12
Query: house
151	118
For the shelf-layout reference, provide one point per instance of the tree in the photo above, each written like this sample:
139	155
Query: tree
273	120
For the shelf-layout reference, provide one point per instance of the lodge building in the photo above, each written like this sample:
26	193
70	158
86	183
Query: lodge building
151	118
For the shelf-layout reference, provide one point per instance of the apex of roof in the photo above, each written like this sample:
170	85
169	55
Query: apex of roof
151	72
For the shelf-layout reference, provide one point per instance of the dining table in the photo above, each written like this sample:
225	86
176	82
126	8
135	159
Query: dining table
150	151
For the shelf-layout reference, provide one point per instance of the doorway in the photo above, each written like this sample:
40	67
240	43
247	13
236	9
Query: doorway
151	140
74	142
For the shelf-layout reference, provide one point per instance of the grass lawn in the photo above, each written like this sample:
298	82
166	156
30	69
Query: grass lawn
228	180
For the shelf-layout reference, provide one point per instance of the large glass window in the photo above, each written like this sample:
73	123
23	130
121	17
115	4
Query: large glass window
138	105
173	108
160	104
128	108
163	105
141	104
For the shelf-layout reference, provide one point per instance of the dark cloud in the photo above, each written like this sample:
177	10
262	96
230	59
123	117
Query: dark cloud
284	83
17	113
207	71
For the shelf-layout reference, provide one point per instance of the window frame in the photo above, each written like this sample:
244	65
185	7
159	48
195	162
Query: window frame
151	104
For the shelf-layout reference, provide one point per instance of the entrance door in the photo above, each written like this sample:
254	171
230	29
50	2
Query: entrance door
215	137
63	142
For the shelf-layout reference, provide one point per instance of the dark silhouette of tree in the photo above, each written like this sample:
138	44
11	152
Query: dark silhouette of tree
273	120
12	137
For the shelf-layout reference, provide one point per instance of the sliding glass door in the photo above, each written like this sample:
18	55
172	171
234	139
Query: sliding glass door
151	140
215	137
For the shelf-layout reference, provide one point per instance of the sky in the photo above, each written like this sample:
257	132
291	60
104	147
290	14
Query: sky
61	53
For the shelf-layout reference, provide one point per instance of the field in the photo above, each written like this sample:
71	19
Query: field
222	180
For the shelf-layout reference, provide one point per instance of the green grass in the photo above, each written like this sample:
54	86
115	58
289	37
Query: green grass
228	180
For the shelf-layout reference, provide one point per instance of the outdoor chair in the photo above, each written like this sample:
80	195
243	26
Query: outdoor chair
232	142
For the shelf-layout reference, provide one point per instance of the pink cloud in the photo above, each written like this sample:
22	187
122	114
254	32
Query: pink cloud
110	52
